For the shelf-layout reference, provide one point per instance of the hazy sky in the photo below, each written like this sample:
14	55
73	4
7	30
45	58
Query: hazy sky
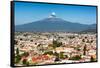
29	12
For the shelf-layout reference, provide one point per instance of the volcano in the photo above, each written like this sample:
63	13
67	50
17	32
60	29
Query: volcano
52	24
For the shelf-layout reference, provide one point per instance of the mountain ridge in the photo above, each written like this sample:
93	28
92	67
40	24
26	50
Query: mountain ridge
53	24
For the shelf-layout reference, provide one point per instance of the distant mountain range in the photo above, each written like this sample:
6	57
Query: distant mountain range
92	28
54	24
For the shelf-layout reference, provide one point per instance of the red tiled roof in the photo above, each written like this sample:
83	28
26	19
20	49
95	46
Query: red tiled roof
42	57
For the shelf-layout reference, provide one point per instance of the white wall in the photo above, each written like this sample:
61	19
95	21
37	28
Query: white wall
89	2
5	34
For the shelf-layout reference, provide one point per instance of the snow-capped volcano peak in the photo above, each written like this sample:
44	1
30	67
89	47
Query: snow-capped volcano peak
52	15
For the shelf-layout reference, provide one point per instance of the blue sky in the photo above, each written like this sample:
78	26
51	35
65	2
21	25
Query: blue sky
29	12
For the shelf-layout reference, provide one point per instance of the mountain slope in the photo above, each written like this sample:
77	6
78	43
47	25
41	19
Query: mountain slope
91	28
51	24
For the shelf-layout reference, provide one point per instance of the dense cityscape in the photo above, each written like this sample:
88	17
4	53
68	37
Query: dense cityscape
38	48
46	34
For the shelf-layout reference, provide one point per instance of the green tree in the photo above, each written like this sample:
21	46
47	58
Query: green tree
56	44
61	55
17	58
92	59
57	56
40	48
88	41
83	40
77	57
84	50
49	52
71	37
26	54
25	62
15	42
17	51
66	56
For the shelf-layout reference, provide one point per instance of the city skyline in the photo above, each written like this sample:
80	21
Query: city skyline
30	12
